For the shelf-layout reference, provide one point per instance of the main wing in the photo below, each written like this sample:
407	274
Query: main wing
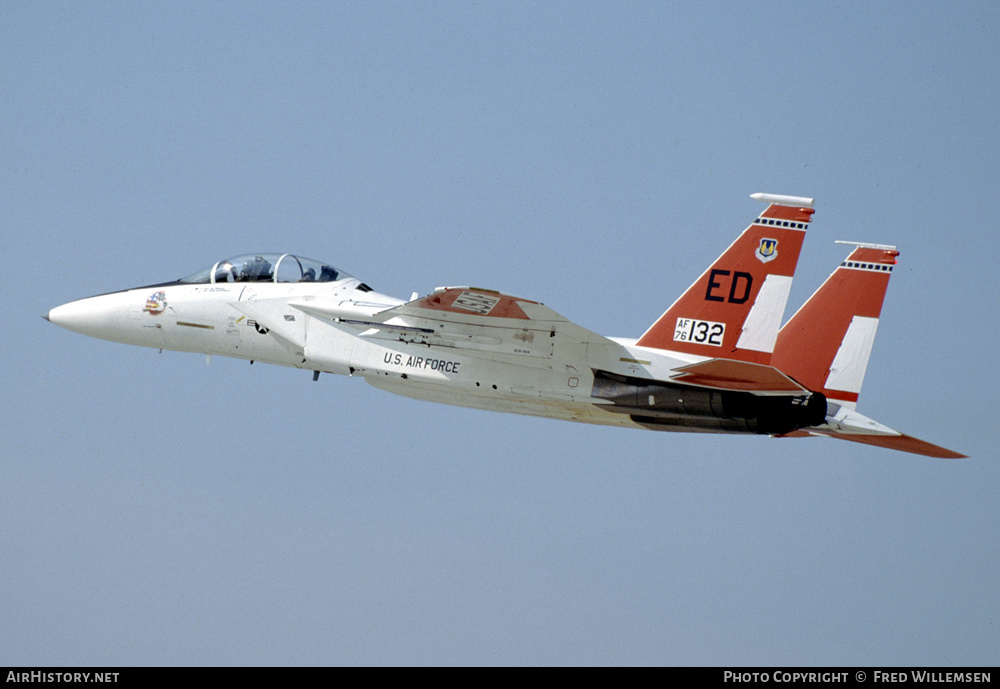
470	318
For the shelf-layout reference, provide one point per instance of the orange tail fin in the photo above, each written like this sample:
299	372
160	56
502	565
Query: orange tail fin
734	310
827	343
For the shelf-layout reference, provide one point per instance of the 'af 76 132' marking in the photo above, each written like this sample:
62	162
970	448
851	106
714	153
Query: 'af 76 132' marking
700	332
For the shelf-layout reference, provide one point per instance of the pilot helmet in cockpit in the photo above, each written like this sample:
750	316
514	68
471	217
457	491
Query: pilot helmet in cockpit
255	270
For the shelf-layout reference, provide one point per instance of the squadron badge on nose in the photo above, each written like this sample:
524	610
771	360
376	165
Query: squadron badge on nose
156	303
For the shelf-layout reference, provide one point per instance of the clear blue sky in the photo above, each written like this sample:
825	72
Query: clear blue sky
593	156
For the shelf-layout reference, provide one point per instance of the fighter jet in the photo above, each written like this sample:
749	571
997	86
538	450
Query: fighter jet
717	360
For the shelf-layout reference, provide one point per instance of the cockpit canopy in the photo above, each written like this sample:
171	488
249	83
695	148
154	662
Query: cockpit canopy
267	268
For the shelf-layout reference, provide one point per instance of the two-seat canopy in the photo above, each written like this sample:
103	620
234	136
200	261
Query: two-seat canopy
267	268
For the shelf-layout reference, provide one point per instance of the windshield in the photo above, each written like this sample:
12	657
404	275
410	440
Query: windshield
267	268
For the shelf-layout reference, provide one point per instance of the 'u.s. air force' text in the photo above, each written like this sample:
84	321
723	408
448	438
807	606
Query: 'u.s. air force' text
421	362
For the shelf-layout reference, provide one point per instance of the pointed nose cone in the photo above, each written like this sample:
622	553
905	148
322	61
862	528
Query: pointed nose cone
101	317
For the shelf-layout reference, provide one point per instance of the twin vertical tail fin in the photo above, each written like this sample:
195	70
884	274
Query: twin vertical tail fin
734	309
827	343
732	315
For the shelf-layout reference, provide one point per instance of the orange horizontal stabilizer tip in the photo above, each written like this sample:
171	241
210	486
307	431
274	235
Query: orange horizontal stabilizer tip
728	374
901	442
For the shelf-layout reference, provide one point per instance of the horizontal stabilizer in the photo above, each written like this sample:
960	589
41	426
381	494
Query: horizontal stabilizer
728	374
848	424
902	442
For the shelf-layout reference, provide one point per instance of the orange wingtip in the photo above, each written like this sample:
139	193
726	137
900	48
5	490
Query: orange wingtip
728	374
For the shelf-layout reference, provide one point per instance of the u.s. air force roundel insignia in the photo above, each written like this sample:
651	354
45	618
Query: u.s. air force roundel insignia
767	251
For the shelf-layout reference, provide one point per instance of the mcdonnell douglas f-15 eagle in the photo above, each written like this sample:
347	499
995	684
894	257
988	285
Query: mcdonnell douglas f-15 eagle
718	360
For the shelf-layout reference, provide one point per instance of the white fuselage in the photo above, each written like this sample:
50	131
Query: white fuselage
545	373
